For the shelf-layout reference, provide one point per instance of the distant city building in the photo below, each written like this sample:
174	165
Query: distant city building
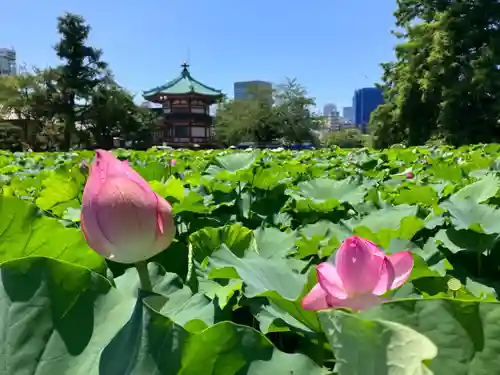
333	118
7	62
241	88
333	121
328	109
348	114
364	102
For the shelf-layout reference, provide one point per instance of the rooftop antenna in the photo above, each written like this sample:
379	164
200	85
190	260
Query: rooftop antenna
189	56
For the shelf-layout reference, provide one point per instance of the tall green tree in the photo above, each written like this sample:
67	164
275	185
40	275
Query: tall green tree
294	113
445	82
268	115
113	113
82	70
26	99
249	120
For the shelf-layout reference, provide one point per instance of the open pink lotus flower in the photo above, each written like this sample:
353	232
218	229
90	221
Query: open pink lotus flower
122	218
361	274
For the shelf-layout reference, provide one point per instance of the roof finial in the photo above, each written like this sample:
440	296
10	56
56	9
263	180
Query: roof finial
185	65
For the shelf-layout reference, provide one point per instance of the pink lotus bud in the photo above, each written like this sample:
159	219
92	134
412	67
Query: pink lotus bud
410	175
361	274
173	162
122	218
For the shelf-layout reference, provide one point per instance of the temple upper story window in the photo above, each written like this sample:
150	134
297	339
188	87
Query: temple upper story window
180	109
197	109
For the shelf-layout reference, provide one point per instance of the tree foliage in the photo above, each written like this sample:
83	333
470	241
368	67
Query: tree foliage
445	82
348	138
77	102
113	113
267	115
27	100
24	96
296	121
251	119
10	137
82	70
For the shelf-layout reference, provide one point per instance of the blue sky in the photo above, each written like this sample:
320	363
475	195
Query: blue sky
332	47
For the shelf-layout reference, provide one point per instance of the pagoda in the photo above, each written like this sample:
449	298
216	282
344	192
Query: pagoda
186	119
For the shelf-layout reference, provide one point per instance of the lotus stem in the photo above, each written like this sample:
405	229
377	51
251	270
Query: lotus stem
142	270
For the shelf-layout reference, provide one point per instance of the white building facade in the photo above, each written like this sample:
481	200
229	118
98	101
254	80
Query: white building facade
8	62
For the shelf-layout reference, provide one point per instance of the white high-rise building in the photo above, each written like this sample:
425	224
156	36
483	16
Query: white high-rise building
8	62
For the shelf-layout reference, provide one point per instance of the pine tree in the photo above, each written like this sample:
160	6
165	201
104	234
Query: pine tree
82	70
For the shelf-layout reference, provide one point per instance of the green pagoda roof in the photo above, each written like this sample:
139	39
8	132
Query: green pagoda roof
184	84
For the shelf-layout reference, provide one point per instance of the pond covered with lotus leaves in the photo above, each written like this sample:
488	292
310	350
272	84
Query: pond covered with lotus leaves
251	228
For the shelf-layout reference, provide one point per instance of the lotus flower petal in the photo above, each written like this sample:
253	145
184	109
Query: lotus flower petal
402	262
315	299
122	218
359	263
123	201
386	278
330	281
165	224
361	274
